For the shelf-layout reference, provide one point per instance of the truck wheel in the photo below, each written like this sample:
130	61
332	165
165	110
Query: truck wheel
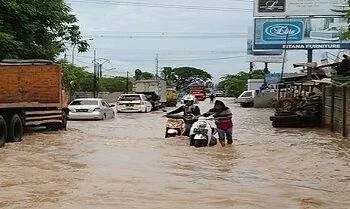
15	129
3	131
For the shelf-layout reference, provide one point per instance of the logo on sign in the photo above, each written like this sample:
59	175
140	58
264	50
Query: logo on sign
282	31
268	6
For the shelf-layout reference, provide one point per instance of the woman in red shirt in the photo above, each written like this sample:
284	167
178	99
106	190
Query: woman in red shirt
224	123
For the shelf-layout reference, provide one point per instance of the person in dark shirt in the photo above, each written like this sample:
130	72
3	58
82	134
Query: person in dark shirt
190	110
212	97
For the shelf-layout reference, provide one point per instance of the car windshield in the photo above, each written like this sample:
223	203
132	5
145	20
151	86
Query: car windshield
84	102
247	94
130	98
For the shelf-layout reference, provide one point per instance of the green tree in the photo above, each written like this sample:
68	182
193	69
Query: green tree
168	75
139	75
234	85
183	76
36	29
76	78
115	84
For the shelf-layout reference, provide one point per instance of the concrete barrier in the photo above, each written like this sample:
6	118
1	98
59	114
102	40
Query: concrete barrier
265	99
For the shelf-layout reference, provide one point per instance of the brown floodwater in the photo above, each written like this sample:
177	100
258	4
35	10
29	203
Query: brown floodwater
127	163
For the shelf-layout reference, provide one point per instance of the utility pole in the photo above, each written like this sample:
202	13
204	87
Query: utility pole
251	68
157	65
127	82
94	79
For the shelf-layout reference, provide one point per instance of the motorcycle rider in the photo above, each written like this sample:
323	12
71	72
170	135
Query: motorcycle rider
224	121
190	110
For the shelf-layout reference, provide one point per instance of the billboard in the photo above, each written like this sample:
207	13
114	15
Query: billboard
268	56
300	33
282	8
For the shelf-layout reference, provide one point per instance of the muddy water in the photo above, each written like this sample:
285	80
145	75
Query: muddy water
126	163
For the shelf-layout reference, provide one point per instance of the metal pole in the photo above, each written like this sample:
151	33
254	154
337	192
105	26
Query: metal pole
309	55
127	82
251	68
94	79
157	65
309	60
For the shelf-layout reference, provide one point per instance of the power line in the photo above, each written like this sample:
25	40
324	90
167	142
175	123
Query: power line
183	60
174	36
157	5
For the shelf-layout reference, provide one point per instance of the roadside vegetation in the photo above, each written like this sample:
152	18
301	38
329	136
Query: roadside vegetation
235	84
78	79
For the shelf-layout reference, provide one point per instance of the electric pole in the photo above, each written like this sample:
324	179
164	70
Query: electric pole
127	82
95	74
157	65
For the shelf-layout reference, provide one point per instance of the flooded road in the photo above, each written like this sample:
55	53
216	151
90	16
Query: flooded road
127	163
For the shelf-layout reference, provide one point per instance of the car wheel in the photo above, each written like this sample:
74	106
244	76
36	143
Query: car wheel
3	131
15	130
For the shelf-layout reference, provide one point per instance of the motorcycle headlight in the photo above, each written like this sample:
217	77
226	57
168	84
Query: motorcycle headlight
202	125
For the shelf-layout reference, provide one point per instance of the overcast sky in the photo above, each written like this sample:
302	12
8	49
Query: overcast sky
210	34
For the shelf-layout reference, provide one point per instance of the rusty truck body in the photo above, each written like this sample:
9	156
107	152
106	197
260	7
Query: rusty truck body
31	94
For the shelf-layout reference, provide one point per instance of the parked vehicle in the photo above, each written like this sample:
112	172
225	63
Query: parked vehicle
246	99
153	98
202	132
31	94
90	108
171	97
133	103
219	94
175	126
152	87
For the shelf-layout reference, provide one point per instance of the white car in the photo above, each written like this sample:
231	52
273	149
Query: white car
246	99
90	108
133	103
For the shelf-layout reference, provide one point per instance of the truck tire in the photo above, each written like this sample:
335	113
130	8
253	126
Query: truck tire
3	131
15	129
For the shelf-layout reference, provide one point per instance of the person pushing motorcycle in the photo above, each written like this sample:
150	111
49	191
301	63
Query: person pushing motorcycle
190	111
224	123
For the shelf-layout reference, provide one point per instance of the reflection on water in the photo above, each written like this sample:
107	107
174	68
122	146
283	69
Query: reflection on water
126	163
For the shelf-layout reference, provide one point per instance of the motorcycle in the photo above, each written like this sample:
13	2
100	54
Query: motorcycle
178	125
202	132
175	126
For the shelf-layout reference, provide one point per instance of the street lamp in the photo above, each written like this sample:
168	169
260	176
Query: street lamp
75	44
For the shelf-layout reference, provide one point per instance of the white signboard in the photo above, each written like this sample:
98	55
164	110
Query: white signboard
266	59
282	8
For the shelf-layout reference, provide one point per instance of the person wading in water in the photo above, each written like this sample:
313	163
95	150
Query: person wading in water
224	123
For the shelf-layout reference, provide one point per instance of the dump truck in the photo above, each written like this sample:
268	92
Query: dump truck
154	90
31	94
171	97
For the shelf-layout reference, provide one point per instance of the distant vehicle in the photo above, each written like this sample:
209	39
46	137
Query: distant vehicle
153	98
133	103
246	99
219	94
90	109
171	97
151	88
198	91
